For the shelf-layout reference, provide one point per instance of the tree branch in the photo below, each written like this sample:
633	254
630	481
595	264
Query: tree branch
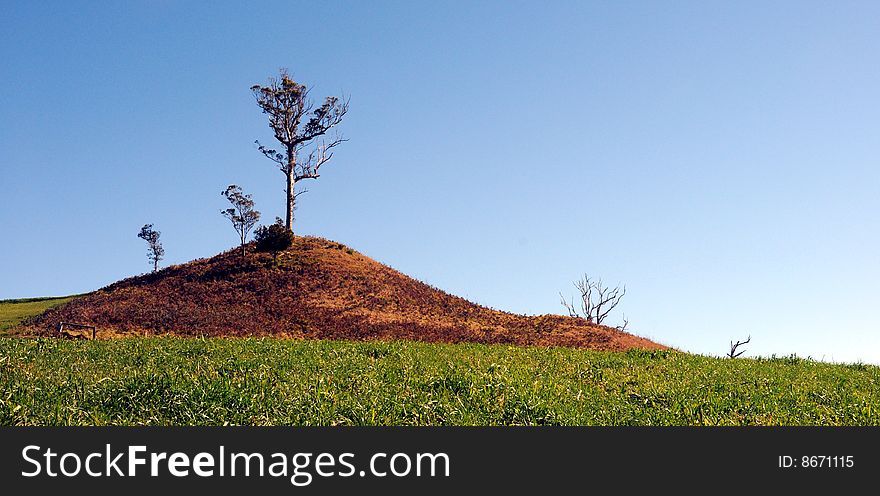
569	306
310	167
272	155
733	346
323	119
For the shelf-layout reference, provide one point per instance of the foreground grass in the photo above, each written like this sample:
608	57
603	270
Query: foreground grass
266	381
12	312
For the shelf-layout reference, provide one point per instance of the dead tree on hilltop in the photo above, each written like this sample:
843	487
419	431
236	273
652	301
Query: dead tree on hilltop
733	347
597	300
297	124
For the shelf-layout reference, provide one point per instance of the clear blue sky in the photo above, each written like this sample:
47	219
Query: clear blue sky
720	159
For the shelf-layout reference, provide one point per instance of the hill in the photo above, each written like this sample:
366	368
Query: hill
318	289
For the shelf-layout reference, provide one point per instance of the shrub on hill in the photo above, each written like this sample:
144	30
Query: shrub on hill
273	238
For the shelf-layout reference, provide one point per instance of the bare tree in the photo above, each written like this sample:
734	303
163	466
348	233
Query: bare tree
597	300
298	125
733	347
155	252
241	214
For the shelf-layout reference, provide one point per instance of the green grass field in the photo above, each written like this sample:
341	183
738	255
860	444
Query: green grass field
269	381
14	311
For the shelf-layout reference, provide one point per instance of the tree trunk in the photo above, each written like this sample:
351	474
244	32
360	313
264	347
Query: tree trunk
291	184
291	196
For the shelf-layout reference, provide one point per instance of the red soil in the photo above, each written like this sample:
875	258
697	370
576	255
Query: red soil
318	289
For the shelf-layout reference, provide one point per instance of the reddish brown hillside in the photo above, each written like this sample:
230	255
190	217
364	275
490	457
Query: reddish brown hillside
317	289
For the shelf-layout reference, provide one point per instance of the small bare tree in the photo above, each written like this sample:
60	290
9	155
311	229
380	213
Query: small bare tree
733	347
241	214
155	252
297	125
597	300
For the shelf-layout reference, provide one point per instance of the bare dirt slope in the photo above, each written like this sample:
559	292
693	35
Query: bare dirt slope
317	289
